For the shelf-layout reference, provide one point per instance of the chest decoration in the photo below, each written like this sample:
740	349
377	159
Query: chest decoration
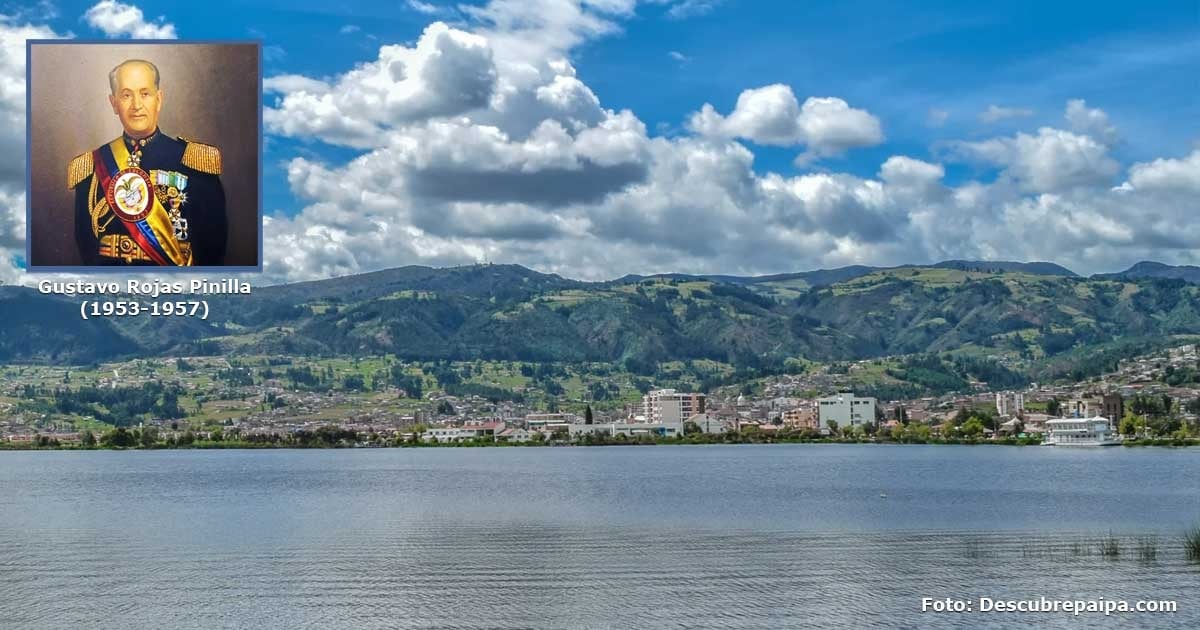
169	187
129	194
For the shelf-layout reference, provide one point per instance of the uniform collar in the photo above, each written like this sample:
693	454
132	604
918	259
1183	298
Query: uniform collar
137	143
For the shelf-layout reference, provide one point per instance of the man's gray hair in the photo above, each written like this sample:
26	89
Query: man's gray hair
112	76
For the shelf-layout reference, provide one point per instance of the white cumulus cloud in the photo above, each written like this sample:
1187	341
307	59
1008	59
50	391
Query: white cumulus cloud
116	19
1182	175
480	142
448	72
772	115
12	142
288	83
1090	121
1052	160
541	173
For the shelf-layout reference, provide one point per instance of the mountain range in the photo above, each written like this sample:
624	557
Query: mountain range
1032	313
1148	269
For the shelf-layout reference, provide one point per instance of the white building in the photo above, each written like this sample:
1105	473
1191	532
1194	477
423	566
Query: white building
1095	431
846	409
469	431
1010	404
667	405
550	422
446	434
629	429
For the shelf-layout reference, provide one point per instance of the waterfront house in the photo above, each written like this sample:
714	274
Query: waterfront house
483	429
446	434
1012	427
1095	431
468	431
628	429
1036	422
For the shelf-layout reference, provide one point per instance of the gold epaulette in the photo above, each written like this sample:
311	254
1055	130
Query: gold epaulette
79	169
202	157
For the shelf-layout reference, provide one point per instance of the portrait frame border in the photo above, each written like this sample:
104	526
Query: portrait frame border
209	269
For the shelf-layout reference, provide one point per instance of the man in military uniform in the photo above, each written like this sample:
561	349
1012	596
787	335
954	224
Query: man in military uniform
147	198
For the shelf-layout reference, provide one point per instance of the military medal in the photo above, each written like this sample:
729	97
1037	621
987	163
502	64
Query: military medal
170	186
135	158
129	194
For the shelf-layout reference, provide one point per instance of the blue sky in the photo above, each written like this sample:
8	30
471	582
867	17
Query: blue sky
927	73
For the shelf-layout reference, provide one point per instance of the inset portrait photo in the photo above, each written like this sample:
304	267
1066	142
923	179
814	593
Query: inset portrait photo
144	154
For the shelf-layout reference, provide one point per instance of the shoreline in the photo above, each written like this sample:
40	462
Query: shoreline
252	446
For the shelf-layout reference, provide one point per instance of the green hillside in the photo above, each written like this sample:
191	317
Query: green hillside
1032	318
511	313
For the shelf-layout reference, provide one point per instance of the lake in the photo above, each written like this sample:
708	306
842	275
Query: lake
738	536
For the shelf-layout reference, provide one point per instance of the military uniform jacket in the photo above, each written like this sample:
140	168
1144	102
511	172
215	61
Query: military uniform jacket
153	201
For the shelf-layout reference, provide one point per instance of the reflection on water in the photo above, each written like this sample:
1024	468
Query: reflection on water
658	537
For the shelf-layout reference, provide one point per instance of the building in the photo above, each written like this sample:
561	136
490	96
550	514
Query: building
846	409
487	429
550	422
628	429
1110	406
1081	407
469	431
1009	404
1036	422
669	406
802	418
445	434
708	423
1113	407
1012	427
1095	431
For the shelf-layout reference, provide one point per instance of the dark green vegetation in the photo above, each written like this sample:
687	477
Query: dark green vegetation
117	406
1040	318
1108	546
329	436
1191	543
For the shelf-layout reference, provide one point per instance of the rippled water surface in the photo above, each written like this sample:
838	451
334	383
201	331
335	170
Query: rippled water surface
821	536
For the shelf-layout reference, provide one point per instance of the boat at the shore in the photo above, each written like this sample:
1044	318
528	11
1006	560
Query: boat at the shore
1097	431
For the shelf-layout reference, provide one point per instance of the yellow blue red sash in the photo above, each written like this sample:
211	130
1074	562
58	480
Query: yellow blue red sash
155	234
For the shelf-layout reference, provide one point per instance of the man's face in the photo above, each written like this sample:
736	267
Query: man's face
136	102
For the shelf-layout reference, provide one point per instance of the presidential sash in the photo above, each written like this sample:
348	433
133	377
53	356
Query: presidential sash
130	195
